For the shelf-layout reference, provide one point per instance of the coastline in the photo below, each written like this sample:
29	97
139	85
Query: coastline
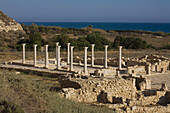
153	27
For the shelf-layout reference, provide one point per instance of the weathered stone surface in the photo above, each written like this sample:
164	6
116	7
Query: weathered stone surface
98	89
7	23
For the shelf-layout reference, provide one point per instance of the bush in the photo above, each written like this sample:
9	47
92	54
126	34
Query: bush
34	38
166	46
9	107
82	42
98	40
130	43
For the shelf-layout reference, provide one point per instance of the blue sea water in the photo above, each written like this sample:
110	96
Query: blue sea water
163	27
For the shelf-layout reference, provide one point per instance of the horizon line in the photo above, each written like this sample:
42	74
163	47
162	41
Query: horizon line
88	22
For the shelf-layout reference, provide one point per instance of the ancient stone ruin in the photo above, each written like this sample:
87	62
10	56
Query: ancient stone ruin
117	83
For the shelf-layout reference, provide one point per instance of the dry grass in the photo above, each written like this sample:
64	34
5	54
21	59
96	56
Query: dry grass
7	56
37	94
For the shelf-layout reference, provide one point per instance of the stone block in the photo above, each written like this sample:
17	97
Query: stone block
117	100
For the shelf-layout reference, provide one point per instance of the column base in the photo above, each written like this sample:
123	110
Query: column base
46	67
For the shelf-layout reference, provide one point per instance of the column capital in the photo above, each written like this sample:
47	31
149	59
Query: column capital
120	46
57	43
106	46
24	44
46	45
92	45
71	46
59	46
68	43
35	45
85	48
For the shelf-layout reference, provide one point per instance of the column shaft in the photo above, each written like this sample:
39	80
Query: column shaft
35	55
46	56
58	60
85	60
57	51
105	60
120	57
23	53
68	53
92	55
71	58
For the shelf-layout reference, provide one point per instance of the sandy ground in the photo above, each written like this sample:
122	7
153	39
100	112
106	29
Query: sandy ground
157	80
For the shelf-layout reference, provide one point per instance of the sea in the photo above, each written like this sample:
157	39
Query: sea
154	27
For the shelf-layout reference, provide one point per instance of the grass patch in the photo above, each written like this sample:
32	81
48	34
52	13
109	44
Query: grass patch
9	107
32	93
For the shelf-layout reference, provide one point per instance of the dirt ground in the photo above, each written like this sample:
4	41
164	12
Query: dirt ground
156	80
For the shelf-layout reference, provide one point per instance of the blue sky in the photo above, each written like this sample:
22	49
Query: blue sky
87	10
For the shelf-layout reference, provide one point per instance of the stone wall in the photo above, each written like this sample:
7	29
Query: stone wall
98	89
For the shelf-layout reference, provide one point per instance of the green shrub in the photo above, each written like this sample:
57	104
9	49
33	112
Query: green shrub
130	43
98	40
167	46
34	38
9	107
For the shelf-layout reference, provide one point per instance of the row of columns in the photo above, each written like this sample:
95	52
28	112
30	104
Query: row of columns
70	56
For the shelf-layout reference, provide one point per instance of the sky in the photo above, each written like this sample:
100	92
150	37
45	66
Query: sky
87	10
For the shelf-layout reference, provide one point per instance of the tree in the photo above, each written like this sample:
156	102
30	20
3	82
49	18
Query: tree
82	42
34	38
98	40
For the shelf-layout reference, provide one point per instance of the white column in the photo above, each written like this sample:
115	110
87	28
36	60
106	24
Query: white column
46	56
35	55
68	53
58	60
57	51
148	84
71	58
105	60
120	57
92	55
85	60
23	53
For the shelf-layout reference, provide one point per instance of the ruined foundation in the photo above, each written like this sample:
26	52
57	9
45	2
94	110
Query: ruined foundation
117	83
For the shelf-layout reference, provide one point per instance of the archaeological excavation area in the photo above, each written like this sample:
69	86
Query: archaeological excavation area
119	83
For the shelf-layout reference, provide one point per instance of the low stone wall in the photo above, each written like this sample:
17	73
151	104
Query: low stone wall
148	109
99	90
41	72
149	100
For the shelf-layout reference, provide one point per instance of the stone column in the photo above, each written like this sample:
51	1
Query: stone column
23	53
92	55
46	56
68	53
58	58
148	69
105	58
57	51
148	84
35	55
71	58
85	60
120	57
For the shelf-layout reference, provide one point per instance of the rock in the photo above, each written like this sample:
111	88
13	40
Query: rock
163	87
7	23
